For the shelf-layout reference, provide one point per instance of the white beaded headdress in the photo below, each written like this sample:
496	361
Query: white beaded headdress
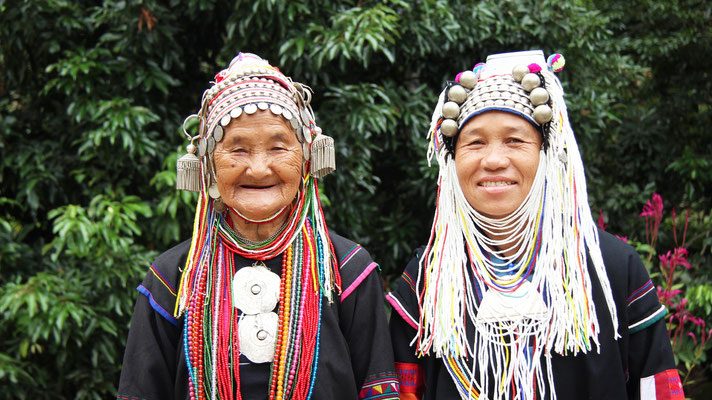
516	308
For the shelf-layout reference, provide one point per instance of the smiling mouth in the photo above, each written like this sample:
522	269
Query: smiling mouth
255	187
495	184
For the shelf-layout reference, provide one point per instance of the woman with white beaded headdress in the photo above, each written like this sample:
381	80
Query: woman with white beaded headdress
517	294
263	302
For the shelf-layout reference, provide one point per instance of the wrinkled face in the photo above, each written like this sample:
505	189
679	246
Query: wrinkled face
496	157
258	164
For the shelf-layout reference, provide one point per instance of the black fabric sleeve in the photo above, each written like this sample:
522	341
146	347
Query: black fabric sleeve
153	366
149	365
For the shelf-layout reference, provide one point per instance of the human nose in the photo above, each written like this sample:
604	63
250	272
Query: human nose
259	165
495	158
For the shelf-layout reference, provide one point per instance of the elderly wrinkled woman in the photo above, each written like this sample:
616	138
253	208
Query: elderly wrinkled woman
517	294
263	301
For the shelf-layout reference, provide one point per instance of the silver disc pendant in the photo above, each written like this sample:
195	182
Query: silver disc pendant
255	289
258	335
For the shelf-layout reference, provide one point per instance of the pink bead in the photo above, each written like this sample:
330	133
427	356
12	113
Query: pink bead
534	68
457	77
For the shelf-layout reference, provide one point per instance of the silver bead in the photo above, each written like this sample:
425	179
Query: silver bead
256	289
451	110
457	94
530	81
542	114
519	71
539	96
190	148
468	79
449	127
261	334
499	102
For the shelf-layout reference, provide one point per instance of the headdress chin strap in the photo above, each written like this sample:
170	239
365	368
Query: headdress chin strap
539	298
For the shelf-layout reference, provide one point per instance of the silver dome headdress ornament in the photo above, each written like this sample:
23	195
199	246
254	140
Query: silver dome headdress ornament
309	271
519	306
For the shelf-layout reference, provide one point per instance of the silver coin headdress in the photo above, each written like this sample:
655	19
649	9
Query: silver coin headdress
249	84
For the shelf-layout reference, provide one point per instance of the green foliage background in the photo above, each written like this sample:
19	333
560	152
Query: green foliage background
92	96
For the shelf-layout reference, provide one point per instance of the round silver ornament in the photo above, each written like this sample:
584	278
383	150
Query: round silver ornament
213	191
451	110
276	109
262	106
218	133
255	289
286	114
225	120
539	96
251	108
542	114
305	151
295	124
202	147
257	334
211	145
307	134
468	79
457	94
519	71
449	127
530	81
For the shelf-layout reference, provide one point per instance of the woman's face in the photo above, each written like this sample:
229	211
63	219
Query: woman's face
496	157
258	164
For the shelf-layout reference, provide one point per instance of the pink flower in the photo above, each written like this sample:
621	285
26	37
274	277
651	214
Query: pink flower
692	335
601	221
653	214
654	208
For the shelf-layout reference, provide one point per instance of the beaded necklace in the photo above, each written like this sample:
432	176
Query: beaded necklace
212	344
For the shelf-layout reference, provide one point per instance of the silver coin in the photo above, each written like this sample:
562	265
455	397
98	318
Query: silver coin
225	120
307	134
211	145
218	133
287	115
262	106
276	109
305	151
236	112
251	108
202	147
